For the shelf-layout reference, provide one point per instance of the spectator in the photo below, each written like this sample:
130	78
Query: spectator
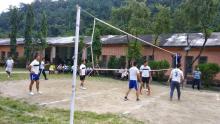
52	69
60	68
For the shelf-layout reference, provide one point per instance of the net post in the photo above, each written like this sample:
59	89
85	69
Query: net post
72	103
93	32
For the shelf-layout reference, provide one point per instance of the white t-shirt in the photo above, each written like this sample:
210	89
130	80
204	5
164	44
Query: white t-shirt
145	71
9	63
42	65
133	71
82	69
176	75
35	66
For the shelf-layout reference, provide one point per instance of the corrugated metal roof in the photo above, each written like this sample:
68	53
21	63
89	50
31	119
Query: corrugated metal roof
174	40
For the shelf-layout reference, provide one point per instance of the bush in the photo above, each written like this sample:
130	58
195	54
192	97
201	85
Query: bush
113	62
159	76
209	71
20	62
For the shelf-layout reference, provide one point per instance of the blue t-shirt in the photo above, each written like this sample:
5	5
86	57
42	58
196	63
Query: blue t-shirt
197	75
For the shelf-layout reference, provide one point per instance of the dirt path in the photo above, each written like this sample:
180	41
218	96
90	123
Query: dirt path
106	95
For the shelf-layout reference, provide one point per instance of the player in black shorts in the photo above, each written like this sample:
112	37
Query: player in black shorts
145	75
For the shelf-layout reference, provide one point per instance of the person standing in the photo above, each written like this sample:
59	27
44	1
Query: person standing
34	74
9	66
134	76
176	77
145	75
42	69
82	74
197	78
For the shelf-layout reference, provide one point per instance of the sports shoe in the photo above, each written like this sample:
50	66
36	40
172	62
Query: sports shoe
126	98
39	92
83	88
31	93
137	99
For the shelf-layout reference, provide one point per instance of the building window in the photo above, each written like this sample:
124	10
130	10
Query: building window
188	64
203	59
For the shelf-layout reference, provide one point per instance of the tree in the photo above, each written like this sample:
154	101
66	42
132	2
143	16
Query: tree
28	33
81	49
201	12
14	20
97	46
134	52
132	17
161	23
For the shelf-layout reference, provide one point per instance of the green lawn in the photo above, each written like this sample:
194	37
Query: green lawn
17	112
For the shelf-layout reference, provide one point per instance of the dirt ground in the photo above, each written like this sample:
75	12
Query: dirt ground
106	95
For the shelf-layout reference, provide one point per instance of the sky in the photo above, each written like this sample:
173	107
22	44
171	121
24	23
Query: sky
4	4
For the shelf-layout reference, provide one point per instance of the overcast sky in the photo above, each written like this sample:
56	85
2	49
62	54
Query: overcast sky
4	4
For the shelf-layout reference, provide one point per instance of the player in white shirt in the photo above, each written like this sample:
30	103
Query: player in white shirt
145	75
134	76
9	66
34	68
176	78
82	74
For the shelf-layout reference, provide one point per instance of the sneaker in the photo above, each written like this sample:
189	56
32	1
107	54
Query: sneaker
83	88
137	99
39	92
31	93
46	79
126	98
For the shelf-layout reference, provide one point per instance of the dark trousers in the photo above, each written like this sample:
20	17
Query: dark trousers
196	82
174	85
43	72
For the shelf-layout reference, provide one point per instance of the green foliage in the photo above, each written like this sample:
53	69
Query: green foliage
208	71
155	65
132	17
14	20
113	62
21	62
28	33
80	50
134	50
97	46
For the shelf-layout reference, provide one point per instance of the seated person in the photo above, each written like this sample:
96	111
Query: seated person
124	74
65	68
52	69
60	68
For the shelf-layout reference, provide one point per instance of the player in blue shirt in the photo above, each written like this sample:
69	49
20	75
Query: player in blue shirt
197	78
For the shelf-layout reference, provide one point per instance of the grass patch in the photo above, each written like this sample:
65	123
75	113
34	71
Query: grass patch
17	112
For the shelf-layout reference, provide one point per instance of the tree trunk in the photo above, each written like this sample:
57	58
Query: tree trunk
155	42
127	63
202	48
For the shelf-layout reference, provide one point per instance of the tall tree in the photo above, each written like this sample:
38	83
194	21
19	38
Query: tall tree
133	17
201	12
97	46
134	52
14	20
161	23
28	33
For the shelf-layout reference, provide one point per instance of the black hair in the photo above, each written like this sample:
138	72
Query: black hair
178	65
145	61
36	55
134	63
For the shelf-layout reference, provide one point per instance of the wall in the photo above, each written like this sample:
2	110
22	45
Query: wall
213	53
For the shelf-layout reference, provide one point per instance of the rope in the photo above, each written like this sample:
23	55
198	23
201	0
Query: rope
127	33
